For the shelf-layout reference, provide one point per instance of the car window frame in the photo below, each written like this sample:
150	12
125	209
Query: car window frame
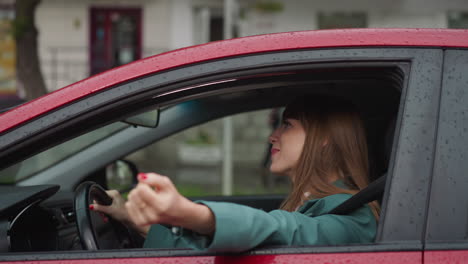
144	136
449	174
410	171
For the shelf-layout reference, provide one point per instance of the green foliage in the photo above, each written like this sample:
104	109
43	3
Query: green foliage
20	26
7	180
269	6
194	190
202	138
24	17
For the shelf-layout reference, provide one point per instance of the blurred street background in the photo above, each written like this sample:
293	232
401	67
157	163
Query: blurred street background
48	44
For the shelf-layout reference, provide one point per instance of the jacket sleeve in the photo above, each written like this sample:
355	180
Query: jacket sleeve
240	228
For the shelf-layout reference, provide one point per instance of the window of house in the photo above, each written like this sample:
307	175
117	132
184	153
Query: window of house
329	20
457	19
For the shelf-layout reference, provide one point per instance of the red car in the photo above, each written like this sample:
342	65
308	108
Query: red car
410	84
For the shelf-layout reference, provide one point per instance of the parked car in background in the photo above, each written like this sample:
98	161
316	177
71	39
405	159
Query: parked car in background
410	85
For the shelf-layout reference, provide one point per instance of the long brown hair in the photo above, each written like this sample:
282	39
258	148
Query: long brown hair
335	147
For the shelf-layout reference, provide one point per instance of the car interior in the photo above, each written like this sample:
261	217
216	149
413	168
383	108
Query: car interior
39	210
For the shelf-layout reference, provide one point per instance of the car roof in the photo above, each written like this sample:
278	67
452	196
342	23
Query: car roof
230	48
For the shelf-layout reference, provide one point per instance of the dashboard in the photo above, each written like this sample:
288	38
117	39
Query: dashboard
43	218
37	218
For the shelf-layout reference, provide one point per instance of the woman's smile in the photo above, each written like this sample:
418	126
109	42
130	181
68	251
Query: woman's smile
274	151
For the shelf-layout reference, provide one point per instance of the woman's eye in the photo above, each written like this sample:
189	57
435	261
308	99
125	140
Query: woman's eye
286	124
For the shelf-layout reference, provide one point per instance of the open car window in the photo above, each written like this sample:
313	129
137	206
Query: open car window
193	158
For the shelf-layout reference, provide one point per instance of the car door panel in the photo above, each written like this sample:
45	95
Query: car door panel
409	175
409	257
445	256
447	228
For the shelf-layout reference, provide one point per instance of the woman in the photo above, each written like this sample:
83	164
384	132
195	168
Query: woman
320	146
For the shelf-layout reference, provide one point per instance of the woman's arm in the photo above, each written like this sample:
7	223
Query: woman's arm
240	228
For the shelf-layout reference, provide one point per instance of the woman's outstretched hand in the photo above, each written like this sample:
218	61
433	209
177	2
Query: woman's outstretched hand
118	211
155	200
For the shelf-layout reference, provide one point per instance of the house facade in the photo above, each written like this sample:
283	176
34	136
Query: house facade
81	38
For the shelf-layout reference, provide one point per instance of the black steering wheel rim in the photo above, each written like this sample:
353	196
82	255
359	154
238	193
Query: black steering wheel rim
89	236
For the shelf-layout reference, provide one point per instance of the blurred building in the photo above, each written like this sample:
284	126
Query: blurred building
81	38
7	58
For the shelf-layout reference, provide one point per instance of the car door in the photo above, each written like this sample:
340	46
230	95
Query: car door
447	228
404	205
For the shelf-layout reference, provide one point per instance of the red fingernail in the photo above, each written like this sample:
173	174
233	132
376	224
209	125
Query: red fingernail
142	176
91	207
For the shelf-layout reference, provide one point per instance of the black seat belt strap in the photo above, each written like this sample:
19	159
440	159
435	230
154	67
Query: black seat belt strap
371	193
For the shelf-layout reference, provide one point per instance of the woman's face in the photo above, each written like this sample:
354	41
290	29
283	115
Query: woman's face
287	143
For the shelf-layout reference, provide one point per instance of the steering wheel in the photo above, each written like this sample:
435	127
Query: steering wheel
98	230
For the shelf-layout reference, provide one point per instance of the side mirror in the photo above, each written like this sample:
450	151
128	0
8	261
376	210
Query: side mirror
121	175
147	119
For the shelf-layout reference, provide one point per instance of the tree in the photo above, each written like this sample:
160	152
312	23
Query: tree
28	69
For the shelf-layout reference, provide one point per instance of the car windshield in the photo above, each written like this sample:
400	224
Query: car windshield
45	159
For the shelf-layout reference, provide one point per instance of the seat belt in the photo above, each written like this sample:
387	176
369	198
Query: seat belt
372	192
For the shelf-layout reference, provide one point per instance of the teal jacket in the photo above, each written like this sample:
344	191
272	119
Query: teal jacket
240	228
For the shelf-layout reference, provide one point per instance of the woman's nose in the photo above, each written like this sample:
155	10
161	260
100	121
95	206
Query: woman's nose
274	136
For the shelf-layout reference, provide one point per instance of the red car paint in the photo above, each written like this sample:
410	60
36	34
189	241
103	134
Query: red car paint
231	48
348	258
448	256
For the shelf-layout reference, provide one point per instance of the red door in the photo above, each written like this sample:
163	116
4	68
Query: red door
115	37
445	256
413	257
